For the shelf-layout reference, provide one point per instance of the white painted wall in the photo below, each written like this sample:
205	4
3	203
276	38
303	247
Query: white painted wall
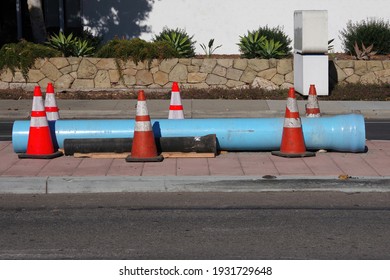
226	20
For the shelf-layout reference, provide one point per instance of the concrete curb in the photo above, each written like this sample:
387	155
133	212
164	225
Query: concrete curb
23	185
104	184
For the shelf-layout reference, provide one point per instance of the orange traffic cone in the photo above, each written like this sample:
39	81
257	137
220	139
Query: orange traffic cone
144	147
51	112
312	108
175	107
50	104
39	145
293	144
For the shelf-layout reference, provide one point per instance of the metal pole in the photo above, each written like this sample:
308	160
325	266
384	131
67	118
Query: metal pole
19	20
61	13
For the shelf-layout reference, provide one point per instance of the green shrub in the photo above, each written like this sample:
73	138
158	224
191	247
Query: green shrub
179	40
271	49
136	49
164	50
93	40
278	35
22	56
82	48
250	45
115	48
71	46
368	32
265	43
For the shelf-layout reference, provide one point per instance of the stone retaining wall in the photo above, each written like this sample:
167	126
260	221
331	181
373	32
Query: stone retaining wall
97	73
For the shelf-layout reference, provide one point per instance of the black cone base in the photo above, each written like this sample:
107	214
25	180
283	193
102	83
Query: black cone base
292	155
49	156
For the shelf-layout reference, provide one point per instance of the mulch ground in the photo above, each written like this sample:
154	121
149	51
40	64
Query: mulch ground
344	92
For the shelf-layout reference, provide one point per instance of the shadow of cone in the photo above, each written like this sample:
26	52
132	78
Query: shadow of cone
144	147
175	107
312	107
52	112
293	144
39	145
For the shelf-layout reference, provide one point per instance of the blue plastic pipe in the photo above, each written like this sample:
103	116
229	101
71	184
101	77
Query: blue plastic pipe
344	133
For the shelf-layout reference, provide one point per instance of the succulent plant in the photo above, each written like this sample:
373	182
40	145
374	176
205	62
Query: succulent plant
180	41
70	45
364	53
62	43
250	45
210	50
271	49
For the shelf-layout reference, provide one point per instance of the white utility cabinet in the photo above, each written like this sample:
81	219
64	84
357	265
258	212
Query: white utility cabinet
311	64
311	69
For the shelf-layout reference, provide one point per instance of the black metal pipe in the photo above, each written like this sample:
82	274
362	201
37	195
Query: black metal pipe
202	144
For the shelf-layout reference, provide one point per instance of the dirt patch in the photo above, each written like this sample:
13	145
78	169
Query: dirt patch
338	56
215	93
345	56
342	92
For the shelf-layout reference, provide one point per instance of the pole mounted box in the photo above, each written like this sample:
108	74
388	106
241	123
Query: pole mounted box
311	31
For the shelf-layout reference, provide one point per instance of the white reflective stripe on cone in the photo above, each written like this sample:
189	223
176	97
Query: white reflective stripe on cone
177	114
175	98
38	104
50	100
311	106
52	116
292	122
38	122
142	109
311	102
143	126
292	104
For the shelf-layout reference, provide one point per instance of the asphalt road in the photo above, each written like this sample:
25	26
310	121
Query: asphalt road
378	129
375	129
284	225
6	130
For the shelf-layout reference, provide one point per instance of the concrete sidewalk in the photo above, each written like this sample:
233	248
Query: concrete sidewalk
244	171
196	108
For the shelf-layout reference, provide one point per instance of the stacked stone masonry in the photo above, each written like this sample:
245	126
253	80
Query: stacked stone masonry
101	73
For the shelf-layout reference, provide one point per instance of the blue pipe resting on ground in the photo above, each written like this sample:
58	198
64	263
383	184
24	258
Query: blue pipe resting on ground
344	133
